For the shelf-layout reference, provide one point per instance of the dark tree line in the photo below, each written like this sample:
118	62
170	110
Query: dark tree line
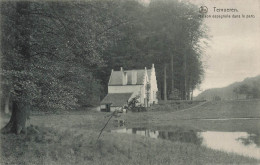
59	55
249	91
169	34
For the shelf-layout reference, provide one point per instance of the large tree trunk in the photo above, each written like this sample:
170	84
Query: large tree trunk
19	109
18	118
17	121
165	83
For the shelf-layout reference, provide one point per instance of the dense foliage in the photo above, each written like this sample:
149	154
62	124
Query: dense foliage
249	91
164	33
59	55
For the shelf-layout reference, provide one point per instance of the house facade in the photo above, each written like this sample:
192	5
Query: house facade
124	85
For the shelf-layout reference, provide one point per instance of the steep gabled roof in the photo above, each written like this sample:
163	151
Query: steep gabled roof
116	99
117	76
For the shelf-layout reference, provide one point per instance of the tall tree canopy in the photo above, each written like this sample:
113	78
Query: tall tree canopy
167	33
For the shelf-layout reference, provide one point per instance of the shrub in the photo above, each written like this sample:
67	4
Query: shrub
138	109
132	105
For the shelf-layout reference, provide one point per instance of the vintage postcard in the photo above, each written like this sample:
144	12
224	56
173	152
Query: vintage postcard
133	82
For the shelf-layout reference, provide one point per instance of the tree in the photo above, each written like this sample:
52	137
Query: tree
255	92
17	74
50	52
178	32
248	90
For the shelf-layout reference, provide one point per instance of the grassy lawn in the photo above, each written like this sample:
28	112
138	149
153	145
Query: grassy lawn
72	138
223	109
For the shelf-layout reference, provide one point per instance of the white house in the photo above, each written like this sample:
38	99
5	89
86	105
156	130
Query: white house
124	85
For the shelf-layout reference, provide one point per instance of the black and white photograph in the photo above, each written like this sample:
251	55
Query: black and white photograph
129	82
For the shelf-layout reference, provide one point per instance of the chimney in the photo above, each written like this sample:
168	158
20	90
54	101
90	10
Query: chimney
112	70
153	69
121	68
144	68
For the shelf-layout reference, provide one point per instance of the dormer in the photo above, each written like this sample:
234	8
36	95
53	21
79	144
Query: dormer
124	76
134	77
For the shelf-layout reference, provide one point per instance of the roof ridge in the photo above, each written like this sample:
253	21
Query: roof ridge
122	93
129	70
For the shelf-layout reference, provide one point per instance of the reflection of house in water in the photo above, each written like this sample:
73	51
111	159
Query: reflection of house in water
138	131
145	132
154	134
177	135
123	130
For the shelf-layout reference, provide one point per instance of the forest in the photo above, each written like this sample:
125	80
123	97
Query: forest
59	55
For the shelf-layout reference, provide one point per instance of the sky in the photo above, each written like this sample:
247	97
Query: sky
234	49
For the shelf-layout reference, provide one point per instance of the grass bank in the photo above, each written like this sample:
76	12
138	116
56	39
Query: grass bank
74	146
223	109
172	106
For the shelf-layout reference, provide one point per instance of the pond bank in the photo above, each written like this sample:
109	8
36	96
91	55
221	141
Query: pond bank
242	143
79	146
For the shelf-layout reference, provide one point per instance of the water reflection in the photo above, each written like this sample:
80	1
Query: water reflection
241	143
251	139
119	123
178	134
236	142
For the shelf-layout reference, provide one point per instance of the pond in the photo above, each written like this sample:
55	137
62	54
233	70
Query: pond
242	143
